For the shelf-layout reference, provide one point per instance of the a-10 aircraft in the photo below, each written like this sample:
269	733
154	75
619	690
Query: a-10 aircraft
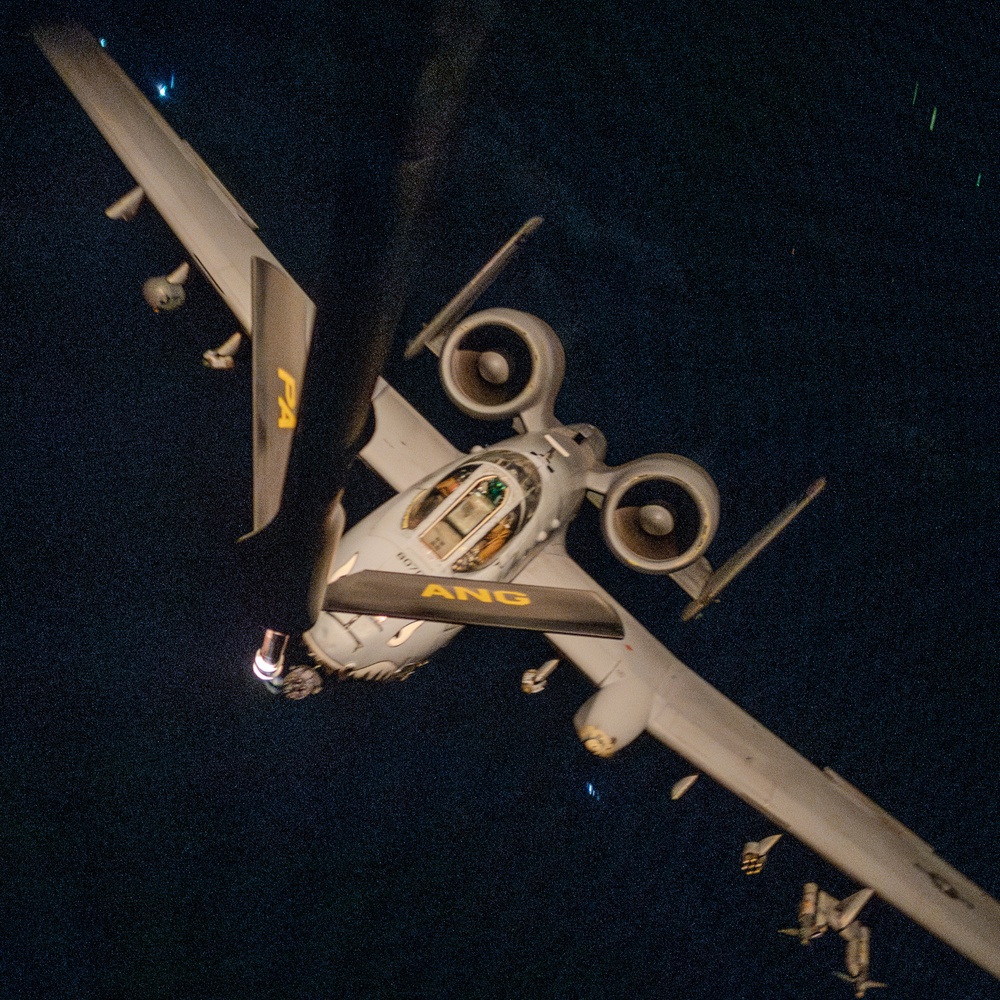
480	537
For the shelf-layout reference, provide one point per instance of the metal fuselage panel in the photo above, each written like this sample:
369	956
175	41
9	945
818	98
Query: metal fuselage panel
365	646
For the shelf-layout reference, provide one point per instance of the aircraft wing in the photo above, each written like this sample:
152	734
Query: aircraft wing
218	235
406	447
216	231
819	807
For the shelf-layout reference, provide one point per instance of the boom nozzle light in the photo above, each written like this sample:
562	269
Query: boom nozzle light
269	660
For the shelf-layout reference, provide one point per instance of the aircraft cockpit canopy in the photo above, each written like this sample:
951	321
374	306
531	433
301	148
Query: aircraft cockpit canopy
487	502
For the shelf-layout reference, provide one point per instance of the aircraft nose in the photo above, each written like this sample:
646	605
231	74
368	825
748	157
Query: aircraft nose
331	643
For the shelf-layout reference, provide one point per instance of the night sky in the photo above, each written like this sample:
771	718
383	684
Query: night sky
757	253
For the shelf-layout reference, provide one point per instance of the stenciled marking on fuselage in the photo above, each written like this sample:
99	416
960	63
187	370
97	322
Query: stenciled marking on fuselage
482	594
287	401
408	562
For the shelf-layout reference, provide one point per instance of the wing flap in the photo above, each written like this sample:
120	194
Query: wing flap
820	808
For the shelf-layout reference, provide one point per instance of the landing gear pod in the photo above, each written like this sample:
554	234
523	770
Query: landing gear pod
660	513
501	363
614	716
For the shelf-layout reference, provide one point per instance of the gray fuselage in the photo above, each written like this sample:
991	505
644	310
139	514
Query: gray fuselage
481	519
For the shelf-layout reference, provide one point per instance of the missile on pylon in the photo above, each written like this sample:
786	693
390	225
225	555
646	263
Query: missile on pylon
812	918
848	910
739	560
858	959
449	317
819	911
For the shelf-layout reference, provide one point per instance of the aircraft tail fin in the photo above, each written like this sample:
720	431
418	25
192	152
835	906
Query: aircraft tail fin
283	318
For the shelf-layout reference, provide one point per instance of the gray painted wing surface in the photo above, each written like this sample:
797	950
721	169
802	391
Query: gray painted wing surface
818	807
220	237
406	447
216	231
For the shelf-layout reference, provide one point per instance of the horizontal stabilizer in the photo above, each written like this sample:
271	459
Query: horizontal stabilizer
742	558
476	602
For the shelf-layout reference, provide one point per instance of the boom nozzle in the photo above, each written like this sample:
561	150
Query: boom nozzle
269	660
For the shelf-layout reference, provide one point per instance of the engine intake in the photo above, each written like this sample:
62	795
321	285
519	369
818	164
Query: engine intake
500	363
660	513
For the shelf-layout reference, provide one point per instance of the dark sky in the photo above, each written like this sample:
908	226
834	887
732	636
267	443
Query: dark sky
758	254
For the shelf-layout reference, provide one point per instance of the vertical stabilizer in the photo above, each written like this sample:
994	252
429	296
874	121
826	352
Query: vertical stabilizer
283	318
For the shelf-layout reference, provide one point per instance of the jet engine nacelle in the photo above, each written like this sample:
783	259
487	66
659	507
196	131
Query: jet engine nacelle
501	363
660	513
614	716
